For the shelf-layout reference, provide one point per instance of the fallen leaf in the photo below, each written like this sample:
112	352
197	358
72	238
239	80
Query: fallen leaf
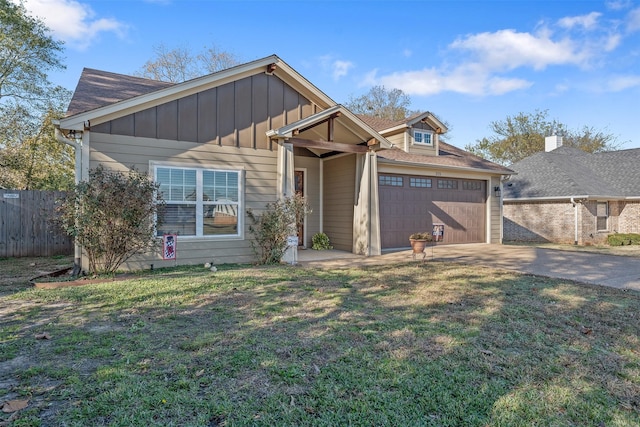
43	336
586	331
487	352
14	405
200	373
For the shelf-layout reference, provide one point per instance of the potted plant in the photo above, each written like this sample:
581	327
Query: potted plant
419	242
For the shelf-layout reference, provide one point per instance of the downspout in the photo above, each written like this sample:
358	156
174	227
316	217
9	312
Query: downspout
77	148
575	219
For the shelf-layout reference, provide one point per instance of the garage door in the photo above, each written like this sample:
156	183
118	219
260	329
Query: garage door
410	204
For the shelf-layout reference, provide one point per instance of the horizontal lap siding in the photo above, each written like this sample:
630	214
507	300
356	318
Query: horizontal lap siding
339	198
221	127
121	153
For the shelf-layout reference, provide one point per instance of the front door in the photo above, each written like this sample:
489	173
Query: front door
299	189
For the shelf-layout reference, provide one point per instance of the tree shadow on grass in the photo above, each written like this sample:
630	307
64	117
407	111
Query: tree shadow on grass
410	344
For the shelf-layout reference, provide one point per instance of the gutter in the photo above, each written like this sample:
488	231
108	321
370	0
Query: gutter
575	204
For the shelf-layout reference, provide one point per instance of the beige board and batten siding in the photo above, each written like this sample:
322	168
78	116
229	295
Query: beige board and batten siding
224	127
338	200
495	212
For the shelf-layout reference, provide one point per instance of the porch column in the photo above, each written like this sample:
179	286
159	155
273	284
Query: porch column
366	217
285	188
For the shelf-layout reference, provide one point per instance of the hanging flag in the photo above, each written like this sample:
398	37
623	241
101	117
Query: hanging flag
169	246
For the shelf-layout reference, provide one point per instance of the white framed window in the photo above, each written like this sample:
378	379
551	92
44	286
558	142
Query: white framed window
602	216
422	137
200	201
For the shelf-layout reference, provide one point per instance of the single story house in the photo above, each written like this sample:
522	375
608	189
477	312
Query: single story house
566	195
242	137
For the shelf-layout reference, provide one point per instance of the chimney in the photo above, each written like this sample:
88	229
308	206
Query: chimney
552	142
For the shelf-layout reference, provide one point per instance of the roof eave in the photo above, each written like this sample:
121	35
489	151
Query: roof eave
282	70
446	167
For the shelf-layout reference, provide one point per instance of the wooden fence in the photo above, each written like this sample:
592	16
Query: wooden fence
25	225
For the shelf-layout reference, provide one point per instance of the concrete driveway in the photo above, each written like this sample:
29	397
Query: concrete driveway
607	270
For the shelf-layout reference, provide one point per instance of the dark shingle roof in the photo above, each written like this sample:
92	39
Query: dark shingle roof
97	89
448	156
568	171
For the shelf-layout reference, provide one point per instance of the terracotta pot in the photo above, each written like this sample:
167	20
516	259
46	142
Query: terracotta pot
418	245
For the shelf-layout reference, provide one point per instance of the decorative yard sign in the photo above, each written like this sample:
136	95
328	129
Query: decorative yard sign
292	241
438	232
11	196
169	246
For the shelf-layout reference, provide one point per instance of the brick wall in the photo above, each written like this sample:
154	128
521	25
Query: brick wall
554	221
538	222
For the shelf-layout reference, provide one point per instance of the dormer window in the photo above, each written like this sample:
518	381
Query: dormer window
422	137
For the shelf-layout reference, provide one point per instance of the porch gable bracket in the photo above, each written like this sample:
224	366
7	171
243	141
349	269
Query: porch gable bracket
328	145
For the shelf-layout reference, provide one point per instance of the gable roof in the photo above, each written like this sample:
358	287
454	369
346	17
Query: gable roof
566	172
97	88
448	157
351	122
117	95
384	125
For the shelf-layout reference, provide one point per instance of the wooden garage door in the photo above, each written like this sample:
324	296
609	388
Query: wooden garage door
410	204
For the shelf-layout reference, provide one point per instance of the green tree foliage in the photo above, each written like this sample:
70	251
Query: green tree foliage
27	53
271	229
522	135
31	158
111	216
180	64
381	102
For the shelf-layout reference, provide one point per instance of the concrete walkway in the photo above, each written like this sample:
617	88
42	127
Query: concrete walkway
607	270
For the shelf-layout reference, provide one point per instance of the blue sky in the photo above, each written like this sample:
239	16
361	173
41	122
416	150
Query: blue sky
468	62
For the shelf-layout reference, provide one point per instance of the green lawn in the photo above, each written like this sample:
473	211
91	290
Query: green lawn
400	345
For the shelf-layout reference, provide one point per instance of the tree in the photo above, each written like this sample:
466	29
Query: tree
520	136
27	53
31	158
111	216
180	63
383	103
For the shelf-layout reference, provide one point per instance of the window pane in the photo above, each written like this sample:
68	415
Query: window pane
220	219
601	223
178	219
418	137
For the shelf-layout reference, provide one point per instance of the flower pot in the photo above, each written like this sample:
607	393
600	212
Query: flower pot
418	245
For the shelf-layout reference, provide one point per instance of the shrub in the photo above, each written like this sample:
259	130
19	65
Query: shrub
623	239
320	242
271	229
111	216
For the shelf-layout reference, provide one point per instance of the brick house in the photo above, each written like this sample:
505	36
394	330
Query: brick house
565	195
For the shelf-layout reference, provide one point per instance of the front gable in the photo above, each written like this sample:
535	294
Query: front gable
236	114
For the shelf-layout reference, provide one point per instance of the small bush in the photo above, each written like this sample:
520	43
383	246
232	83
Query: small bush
623	239
274	225
320	242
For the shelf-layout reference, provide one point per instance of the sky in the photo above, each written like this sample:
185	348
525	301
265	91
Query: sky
470	63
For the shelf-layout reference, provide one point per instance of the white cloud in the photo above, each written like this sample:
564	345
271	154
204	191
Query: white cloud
633	20
336	67
73	22
587	22
341	68
508	49
620	83
468	79
407	53
618	4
